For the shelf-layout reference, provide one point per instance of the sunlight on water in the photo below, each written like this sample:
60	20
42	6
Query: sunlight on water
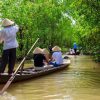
7	96
54	97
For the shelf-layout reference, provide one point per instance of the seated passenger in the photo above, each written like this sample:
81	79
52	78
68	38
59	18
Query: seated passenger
56	57
39	58
71	51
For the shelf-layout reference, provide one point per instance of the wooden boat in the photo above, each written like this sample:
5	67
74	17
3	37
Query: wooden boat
77	53
30	73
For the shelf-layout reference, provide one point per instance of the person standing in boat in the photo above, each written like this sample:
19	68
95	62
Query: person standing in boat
8	37
39	58
75	48
56	59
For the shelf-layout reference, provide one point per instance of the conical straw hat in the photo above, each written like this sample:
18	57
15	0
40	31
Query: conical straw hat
45	51
37	50
56	48
7	22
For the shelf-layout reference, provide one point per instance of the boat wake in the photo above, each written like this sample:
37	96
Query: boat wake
7	96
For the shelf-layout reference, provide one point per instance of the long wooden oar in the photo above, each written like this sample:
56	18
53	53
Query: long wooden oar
14	74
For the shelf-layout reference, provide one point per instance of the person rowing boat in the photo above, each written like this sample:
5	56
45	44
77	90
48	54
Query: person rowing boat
8	37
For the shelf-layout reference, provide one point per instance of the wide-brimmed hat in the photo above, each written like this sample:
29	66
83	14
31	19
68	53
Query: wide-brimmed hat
7	22
45	51
56	48
37	50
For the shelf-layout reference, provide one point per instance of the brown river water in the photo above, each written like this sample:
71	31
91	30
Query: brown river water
81	81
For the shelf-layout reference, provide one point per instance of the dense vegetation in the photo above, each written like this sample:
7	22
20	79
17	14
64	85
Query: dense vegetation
55	22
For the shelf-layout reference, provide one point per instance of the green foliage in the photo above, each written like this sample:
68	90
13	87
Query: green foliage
56	22
88	25
40	18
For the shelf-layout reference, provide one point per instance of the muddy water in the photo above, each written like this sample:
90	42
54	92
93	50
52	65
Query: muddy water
81	81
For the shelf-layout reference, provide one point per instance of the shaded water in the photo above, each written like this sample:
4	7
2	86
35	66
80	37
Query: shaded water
80	82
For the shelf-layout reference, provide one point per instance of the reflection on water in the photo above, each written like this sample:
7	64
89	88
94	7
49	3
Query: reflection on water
80	82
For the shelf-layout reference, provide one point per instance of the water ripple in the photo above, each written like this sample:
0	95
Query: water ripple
7	96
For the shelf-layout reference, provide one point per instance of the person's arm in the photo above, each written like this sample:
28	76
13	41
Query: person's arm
16	28
53	57
47	59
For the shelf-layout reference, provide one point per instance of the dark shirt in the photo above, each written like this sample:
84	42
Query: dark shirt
38	60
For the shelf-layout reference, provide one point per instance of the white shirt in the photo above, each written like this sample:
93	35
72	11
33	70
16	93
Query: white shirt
8	35
57	57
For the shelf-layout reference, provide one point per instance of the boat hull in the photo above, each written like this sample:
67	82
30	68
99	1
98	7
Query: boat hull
29	73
